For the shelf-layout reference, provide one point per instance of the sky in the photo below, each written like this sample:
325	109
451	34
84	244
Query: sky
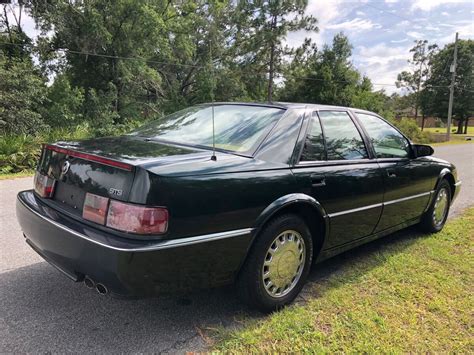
381	31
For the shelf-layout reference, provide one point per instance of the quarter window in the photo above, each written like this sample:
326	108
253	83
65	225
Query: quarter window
387	141
343	140
314	143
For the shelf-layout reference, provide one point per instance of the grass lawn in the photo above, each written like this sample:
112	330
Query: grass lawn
440	130
406	293
24	173
451	142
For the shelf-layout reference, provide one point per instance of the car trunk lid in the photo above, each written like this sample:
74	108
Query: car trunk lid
104	167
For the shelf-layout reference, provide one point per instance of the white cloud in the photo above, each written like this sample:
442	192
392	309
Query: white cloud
382	63
403	23
400	41
444	13
356	25
465	32
326	12
360	13
27	23
427	5
415	34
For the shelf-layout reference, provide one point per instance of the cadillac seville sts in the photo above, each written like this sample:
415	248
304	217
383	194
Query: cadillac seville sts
229	192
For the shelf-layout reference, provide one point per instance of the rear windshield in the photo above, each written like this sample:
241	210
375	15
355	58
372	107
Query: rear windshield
238	128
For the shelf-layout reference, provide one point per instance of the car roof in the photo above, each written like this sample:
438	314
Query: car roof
290	105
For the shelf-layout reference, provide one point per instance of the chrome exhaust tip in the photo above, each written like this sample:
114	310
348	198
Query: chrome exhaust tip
101	289
89	282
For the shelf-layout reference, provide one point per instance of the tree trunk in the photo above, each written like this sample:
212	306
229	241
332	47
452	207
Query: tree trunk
416	112
272	64
460	121
423	122
466	124
270	74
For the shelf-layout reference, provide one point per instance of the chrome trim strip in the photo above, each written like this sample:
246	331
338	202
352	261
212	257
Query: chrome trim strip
337	214
459	183
165	244
363	208
408	198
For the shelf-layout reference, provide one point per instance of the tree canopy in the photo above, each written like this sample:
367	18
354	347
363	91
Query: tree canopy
109	63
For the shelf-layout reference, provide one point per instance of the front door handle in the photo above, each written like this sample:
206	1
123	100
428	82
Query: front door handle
318	180
391	173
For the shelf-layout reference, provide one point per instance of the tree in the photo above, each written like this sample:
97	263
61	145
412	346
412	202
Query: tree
22	87
436	88
328	77
413	80
262	28
22	93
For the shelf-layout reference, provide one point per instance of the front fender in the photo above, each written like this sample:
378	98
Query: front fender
451	175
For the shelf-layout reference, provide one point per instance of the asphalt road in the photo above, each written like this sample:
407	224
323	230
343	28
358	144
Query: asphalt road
43	311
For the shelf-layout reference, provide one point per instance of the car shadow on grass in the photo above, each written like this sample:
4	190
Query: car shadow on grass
42	311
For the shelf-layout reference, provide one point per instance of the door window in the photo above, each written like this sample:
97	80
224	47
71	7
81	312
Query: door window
343	140
387	141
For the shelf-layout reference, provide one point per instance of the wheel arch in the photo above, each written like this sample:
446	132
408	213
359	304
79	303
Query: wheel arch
302	205
449	176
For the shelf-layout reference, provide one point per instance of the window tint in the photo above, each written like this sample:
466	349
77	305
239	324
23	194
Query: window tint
314	143
343	140
387	141
238	128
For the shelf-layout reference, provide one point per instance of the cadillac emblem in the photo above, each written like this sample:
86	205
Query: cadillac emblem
65	167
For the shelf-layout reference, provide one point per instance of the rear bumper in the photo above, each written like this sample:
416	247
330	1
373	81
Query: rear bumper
130	268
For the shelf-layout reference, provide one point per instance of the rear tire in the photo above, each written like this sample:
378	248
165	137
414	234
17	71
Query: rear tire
434	219
277	265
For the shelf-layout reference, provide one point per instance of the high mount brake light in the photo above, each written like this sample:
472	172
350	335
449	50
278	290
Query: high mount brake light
137	219
90	157
44	185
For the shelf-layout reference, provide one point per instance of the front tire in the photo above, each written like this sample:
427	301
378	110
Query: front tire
277	265
435	218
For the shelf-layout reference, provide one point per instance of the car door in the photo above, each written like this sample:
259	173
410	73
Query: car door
408	181
336	169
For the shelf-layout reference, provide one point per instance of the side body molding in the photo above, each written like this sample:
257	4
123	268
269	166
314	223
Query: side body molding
288	200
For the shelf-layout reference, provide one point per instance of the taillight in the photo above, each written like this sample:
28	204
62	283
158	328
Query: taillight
137	219
44	185
95	208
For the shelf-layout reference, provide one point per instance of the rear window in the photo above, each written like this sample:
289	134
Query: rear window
238	128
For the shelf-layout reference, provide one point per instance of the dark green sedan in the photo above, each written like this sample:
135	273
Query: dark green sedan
255	198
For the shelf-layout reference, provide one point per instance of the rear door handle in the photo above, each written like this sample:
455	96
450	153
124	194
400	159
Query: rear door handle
391	173
318	180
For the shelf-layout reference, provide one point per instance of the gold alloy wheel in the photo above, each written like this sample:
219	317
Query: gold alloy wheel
440	207
284	263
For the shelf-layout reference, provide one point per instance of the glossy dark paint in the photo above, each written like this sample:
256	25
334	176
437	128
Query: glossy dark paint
125	271
207	196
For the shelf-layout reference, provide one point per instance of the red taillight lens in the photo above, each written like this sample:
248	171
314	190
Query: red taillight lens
137	219
44	185
95	208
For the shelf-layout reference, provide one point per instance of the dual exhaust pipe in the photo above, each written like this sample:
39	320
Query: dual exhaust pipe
100	288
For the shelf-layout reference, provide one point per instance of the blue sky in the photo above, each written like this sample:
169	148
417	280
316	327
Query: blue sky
381	31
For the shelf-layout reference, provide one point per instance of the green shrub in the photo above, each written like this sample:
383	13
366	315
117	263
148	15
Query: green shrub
410	128
21	152
18	153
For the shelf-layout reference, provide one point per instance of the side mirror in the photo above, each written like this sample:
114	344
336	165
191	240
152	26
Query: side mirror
422	150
